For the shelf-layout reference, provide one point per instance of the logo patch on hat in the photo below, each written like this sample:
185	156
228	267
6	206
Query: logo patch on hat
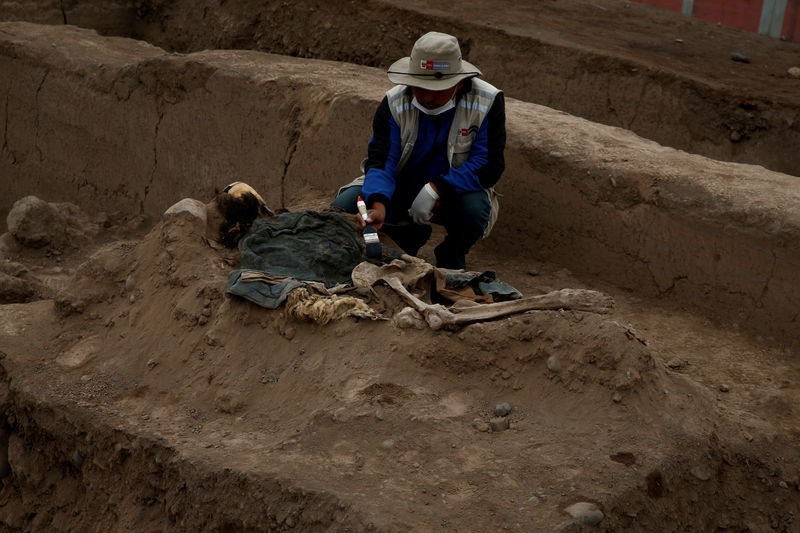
425	64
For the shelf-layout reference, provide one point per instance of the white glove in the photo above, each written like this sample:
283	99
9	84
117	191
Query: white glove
422	207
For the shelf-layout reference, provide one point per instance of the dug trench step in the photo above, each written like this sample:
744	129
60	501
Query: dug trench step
612	70
695	480
120	478
711	236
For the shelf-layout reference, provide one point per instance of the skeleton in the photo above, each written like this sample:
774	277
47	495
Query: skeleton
438	316
465	312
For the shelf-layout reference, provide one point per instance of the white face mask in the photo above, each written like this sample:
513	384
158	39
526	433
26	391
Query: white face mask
439	110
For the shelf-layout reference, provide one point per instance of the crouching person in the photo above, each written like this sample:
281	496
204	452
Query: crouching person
436	152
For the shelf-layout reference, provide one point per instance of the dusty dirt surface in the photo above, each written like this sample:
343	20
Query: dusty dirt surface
138	397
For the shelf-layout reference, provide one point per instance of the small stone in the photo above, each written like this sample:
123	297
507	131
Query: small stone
740	56
533	272
36	223
499	424
289	332
151	364
387	443
290	523
678	40
783	485
379	414
77	459
676	363
553	364
724	387
194	207
585	513
480	425
502	409
748	436
701	473
130	283
132	298
794	72
617	397
735	136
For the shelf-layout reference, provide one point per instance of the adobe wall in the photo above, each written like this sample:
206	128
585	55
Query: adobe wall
116	124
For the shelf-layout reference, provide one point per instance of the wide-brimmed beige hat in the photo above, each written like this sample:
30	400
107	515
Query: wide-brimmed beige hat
435	64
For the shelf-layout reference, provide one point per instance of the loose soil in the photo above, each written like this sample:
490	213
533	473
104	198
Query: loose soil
138	397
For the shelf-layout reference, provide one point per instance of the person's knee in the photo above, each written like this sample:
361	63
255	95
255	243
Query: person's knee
346	200
476	210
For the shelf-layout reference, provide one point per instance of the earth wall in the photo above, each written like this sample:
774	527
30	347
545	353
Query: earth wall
633	80
117	124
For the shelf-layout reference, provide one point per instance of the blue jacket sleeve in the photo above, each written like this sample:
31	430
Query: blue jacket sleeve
382	158
486	161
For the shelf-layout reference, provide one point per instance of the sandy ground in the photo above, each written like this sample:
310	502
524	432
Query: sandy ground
137	396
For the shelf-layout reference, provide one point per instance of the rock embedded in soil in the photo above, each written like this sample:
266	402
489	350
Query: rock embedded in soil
700	472
14	290
585	513
36	223
481	425
553	364
676	363
740	57
196	208
502	409
499	424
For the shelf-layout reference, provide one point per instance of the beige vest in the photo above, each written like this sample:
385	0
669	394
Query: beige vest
471	111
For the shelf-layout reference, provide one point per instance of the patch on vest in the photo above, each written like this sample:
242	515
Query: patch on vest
464	132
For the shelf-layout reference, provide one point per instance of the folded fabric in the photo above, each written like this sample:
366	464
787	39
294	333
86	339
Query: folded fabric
297	249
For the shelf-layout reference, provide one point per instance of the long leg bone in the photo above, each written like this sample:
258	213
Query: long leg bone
437	316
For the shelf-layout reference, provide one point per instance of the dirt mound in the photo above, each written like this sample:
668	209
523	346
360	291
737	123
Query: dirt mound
199	397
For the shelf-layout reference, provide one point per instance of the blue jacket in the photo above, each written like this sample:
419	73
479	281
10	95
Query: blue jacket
428	162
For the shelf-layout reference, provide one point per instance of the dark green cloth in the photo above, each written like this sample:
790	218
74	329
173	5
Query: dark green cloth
321	246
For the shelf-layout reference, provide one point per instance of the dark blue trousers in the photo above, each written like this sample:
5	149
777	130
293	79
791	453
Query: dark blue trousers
464	217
